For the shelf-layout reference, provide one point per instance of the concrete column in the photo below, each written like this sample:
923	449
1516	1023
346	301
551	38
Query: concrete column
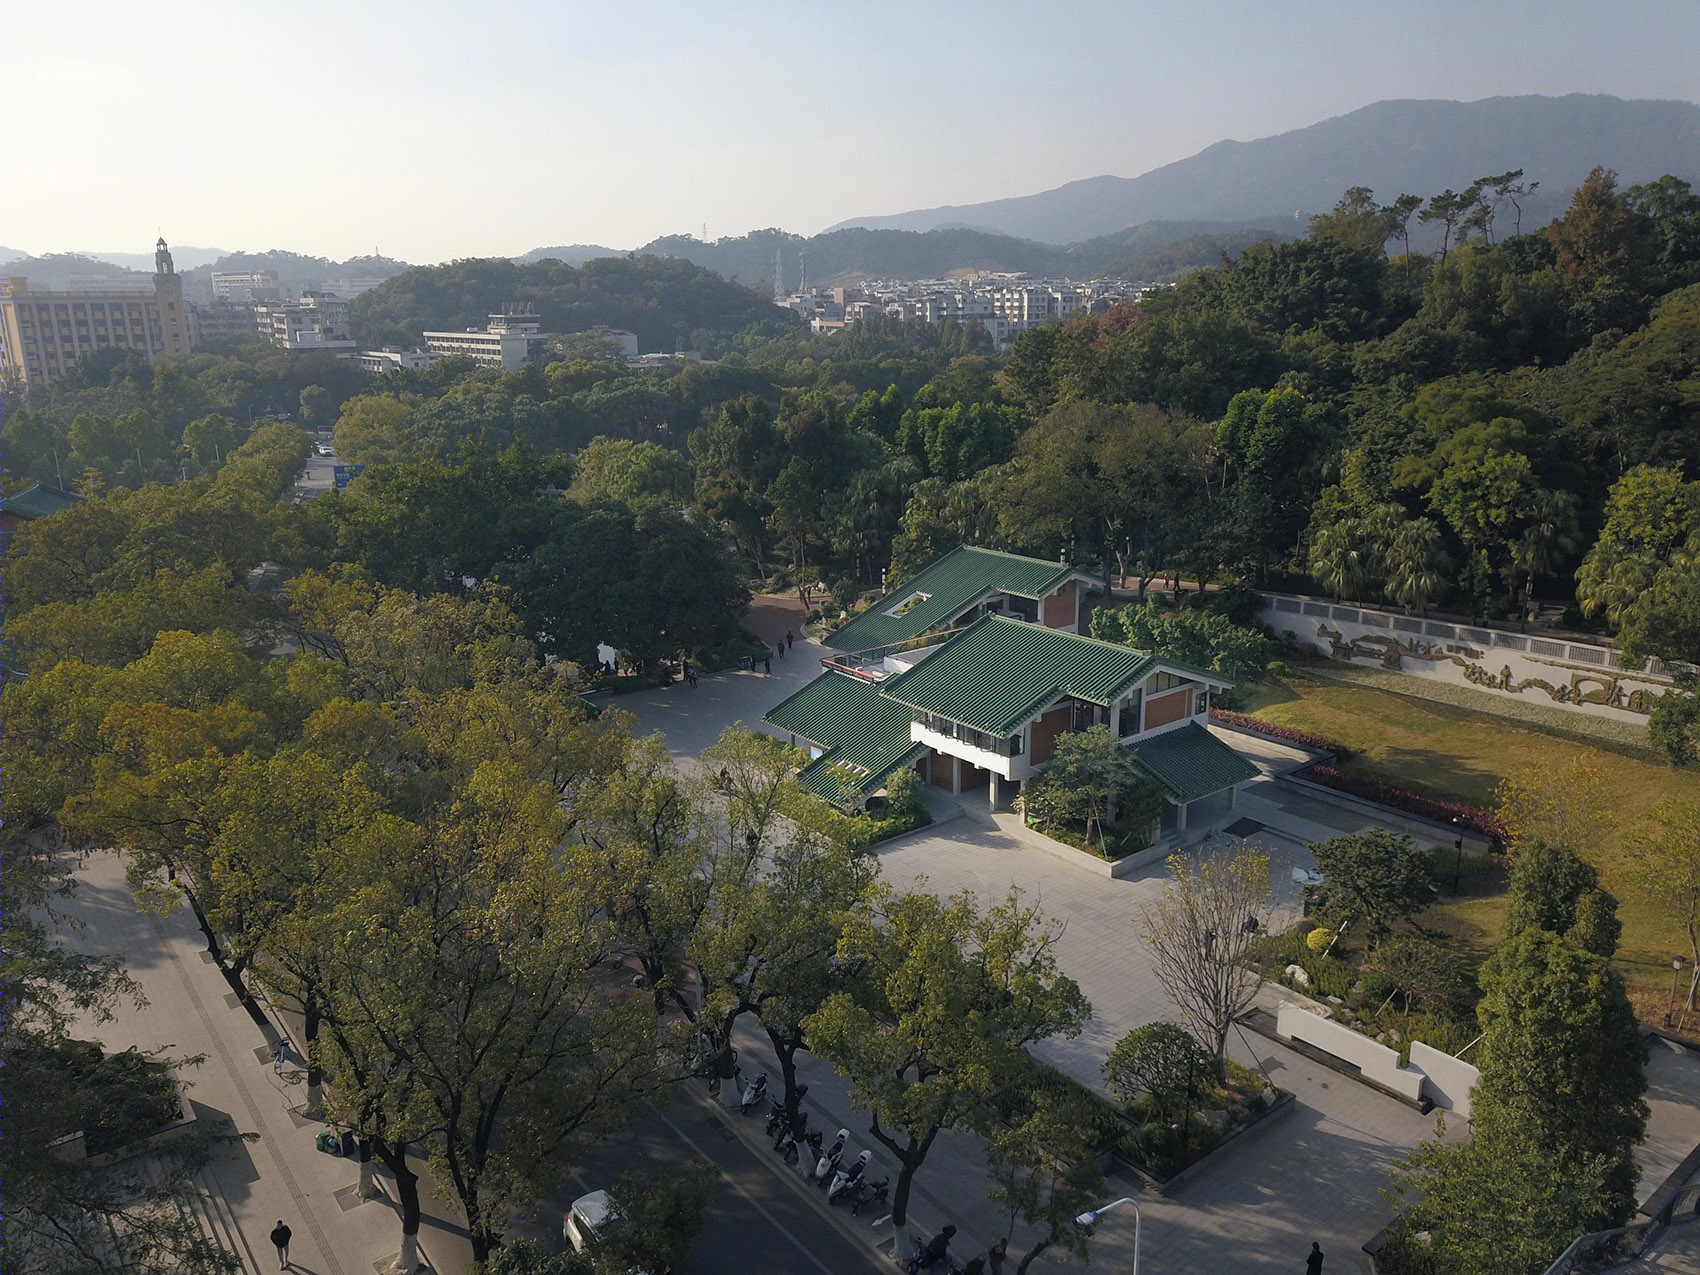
1116	720
1180	816
995	789
956	776
1233	797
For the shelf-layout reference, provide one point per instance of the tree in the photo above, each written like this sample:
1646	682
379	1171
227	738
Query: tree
463	1000
1667	873
1563	1066
655	1218
1423	973
1552	889
1340	559
1484	1205
373	430
1558	807
957	997
1205	638
65	1216
1449	208
1415	565
1378	875
1094	781
1159	1064
1044	1173
1199	933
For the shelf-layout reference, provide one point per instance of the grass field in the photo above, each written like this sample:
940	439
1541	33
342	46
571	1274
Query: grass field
1453	752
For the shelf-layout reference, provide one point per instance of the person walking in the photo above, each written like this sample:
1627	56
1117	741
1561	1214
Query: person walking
767	665
1313	1263
781	647
788	639
280	1237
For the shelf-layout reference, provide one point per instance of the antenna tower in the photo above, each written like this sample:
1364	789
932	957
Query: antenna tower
803	271
778	278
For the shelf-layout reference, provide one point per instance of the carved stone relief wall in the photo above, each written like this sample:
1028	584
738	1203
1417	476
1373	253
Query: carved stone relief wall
1512	664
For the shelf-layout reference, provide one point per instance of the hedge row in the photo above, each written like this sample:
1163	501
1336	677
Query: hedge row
1285	734
1412	803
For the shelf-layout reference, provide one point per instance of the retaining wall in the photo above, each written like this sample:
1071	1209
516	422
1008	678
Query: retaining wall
1561	669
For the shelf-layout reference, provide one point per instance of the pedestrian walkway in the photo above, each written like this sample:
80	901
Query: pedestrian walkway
250	1185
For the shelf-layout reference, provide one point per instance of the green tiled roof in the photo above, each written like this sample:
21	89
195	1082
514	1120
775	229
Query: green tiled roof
38	500
951	585
1191	763
997	673
863	734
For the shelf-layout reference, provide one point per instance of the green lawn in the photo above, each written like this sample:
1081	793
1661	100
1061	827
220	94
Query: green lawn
1453	752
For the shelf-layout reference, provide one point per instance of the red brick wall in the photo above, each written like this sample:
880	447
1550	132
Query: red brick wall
1062	609
1045	732
1168	708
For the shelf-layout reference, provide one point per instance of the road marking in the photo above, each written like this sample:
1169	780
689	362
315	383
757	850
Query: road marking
759	1206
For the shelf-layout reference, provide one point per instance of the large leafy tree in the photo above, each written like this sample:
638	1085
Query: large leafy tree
957	995
465	1002
1667	873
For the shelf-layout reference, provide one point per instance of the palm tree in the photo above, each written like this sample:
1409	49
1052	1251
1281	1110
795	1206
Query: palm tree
1416	565
1550	537
1339	558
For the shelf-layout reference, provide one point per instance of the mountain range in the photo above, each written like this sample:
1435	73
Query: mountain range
1151	228
1417	146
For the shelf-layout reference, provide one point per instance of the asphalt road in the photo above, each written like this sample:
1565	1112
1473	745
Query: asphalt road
758	1223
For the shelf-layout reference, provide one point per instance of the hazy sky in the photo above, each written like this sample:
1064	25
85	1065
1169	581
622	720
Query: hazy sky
432	129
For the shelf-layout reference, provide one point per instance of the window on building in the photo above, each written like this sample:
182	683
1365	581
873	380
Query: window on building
1130	715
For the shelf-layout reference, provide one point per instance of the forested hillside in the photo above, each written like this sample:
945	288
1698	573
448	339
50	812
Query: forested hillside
670	304
1508	424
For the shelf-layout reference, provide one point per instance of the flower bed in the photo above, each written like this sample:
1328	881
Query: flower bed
1412	803
1282	734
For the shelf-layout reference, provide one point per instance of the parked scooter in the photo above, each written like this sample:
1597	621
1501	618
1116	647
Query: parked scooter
776	1112
753	1093
933	1253
870	1195
790	1135
828	1162
846	1179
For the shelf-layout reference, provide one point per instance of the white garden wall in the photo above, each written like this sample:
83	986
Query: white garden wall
1563	670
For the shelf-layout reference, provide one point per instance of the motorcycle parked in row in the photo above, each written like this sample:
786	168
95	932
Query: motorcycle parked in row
828	1162
846	1179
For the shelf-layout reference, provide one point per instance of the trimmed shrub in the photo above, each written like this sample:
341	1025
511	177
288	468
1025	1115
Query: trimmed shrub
1318	939
1283	734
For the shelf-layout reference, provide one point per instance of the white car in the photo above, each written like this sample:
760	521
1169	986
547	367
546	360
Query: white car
585	1219
582	1226
324	449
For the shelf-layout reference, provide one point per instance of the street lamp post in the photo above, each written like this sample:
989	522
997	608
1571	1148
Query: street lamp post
1091	1216
1675	973
1458	855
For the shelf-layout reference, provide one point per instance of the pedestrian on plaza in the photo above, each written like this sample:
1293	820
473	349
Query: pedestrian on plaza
278	1056
1313	1263
280	1237
781	647
767	666
994	1255
788	639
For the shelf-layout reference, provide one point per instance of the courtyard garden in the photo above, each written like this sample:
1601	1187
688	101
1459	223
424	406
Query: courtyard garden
1453	753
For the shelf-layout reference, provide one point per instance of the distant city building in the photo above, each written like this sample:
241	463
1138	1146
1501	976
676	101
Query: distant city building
42	334
222	319
384	362
246	286
319	321
506	341
351	286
